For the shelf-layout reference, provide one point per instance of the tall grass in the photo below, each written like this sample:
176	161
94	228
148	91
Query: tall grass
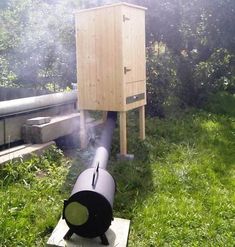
182	192
179	191
31	197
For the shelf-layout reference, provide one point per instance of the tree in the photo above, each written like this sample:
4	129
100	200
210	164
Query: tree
38	43
37	46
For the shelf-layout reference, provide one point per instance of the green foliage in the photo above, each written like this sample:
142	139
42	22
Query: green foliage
7	77
31	198
221	103
38	43
216	71
161	81
37	47
205	77
199	39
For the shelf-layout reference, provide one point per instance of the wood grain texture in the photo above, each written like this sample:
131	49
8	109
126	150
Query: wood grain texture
83	134
142	122
111	6
109	39
134	44
123	133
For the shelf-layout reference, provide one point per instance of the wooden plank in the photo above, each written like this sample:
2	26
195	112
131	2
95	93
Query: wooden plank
112	5
117	235
119	60
142	122
99	52
134	54
86	59
83	134
134	44
104	116
123	134
109	39
136	104
134	88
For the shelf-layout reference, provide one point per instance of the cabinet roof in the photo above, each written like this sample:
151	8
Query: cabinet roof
112	5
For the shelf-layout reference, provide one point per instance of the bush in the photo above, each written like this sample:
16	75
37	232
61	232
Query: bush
161	81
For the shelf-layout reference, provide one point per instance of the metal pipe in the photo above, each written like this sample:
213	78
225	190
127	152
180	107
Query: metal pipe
88	211
11	107
102	152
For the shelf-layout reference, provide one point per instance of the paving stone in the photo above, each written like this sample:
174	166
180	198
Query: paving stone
117	235
23	152
59	126
38	120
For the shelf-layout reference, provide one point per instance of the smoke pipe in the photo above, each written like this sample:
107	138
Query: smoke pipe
102	152
88	211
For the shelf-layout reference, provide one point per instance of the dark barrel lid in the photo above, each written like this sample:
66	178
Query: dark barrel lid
88	214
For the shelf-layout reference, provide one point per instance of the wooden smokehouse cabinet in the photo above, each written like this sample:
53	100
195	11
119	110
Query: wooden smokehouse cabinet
111	57
111	67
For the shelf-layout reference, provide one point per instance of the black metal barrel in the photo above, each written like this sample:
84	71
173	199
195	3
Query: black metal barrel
88	211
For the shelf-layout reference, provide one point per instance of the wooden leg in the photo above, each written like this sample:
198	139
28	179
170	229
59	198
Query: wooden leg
123	140
83	136
104	116
142	122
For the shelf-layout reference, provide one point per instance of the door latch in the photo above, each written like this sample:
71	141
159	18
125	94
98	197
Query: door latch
126	69
124	18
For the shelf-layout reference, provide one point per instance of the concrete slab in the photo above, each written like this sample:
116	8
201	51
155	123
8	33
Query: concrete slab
117	235
14	149
23	152
38	120
11	128
2	137
58	127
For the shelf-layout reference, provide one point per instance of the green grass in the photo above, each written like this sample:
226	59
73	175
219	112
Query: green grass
178	192
182	192
31	196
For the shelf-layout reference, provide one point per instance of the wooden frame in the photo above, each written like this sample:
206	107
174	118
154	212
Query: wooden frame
111	57
111	70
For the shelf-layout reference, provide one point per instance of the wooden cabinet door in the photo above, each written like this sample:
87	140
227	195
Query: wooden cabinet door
99	56
133	37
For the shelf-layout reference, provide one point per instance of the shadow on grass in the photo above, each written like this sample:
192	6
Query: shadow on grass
134	183
183	157
133	178
78	165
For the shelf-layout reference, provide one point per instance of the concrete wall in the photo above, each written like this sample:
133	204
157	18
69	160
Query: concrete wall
13	125
14	113
2	141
